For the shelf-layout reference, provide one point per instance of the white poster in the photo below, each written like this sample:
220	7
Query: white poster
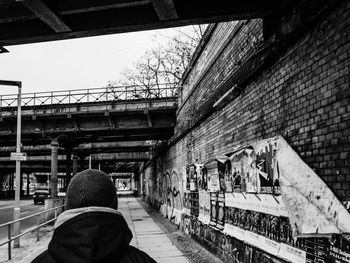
213	180
204	206
235	232
312	210
263	203
270	245
291	254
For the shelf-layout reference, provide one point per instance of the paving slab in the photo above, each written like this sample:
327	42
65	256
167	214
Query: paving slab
148	236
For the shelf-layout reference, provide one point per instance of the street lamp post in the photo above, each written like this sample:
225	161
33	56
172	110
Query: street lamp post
17	209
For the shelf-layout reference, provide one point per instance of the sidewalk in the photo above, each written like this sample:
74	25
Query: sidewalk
147	235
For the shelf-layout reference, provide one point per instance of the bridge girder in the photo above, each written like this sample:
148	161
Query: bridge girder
29	21
87	123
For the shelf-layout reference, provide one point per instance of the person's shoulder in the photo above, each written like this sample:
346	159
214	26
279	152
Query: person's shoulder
43	258
135	255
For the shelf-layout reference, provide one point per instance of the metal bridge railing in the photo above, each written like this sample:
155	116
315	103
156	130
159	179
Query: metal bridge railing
88	96
36	228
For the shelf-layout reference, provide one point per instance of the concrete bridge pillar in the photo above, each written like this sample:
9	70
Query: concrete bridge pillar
54	158
12	183
75	164
1	185
68	167
28	184
82	159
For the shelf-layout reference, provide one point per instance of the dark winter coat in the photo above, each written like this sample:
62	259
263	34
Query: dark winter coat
91	234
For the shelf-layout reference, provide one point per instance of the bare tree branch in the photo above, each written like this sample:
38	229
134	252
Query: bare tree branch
165	63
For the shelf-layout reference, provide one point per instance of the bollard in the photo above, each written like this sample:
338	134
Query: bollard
9	238
37	230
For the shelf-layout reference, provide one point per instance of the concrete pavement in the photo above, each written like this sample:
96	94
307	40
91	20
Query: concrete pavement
147	234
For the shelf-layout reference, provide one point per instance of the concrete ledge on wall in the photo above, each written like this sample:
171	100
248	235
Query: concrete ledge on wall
227	97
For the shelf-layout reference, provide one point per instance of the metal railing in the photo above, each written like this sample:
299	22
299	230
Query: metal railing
89	96
31	229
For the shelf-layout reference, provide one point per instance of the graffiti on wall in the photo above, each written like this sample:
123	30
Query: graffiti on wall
235	202
175	190
172	200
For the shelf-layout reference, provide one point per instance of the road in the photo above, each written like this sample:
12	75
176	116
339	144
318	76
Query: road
27	208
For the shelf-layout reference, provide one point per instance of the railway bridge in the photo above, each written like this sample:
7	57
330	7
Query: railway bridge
110	128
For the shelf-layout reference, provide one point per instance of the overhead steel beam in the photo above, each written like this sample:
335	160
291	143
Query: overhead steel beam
103	7
124	156
165	9
27	148
46	15
46	167
20	24
73	11
114	145
119	156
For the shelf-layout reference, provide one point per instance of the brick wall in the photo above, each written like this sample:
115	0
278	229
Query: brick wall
303	95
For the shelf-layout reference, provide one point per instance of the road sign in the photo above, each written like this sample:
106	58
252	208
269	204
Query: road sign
19	156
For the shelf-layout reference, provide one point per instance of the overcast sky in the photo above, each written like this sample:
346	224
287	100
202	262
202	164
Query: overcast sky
74	64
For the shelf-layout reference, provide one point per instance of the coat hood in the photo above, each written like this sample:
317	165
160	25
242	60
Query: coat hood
90	234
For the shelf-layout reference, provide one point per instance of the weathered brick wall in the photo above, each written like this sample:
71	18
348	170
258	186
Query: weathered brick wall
229	45
304	96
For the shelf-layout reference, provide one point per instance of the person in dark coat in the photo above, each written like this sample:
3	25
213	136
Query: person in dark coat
91	229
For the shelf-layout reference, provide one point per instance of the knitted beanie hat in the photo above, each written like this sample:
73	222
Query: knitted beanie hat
91	188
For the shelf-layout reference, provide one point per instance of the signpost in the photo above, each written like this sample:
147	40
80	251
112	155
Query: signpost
17	209
18	156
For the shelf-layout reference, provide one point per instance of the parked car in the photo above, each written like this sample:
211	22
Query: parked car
61	194
40	195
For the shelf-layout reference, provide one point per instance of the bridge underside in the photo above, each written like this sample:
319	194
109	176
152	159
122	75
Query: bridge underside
118	136
28	21
100	125
108	166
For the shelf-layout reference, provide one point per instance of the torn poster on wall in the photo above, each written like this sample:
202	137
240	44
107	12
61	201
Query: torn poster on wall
215	169
312	211
217	212
237	181
193	178
267	194
250	172
272	166
204	206
204	178
266	166
199	176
